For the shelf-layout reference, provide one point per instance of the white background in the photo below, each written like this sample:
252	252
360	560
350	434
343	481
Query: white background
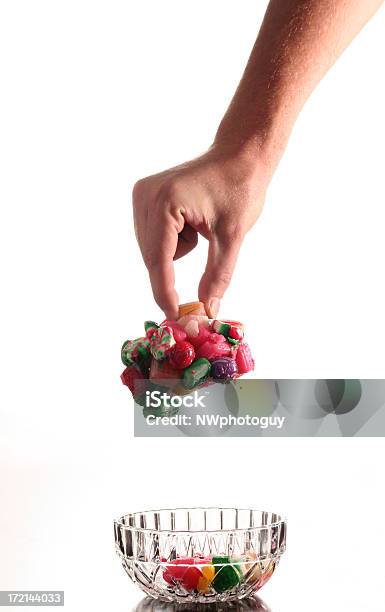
93	96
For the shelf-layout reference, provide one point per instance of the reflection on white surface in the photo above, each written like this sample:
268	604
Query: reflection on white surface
152	605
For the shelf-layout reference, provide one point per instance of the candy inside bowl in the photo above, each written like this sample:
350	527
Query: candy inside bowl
200	555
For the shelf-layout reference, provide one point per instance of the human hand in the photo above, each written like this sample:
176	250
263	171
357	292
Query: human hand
218	195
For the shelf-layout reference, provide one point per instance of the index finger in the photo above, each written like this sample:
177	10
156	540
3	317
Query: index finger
161	245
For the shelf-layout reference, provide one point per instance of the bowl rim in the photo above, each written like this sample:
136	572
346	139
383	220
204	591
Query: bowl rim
119	521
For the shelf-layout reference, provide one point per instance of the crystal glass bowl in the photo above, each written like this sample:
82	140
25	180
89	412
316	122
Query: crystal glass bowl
252	604
200	555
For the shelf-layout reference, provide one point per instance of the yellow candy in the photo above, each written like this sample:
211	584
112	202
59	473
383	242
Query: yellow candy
208	573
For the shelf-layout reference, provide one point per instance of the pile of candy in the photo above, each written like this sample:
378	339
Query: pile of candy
217	574
191	351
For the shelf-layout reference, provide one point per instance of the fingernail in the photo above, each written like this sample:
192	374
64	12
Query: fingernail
213	307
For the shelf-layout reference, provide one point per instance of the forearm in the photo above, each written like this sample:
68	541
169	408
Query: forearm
297	44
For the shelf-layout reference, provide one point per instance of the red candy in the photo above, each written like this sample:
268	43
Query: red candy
185	572
203	334
216	338
188	577
244	359
133	378
178	331
236	334
164	371
182	355
236	330
215	346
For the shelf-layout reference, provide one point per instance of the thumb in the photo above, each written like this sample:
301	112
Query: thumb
222	257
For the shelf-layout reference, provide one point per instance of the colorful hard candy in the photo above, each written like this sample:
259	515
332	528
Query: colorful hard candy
237	330
150	328
216	338
244	359
226	576
229	329
204	582
133	378
220	327
200	319
182	355
195	308
177	329
135	350
192	330
164	372
197	333
215	346
190	350
161	341
187	577
224	368
196	373
183	571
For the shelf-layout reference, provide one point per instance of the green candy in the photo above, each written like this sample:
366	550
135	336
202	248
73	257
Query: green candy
126	353
226	576
150	327
136	351
221	328
196	373
232	330
144	359
161	339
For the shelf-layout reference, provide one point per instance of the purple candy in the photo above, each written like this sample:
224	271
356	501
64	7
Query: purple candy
223	368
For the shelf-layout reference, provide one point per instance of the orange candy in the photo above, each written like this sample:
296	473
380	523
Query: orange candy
194	308
204	582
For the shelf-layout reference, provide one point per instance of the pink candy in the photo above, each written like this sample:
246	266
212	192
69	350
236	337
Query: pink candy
200	319
163	371
192	329
197	335
244	359
214	346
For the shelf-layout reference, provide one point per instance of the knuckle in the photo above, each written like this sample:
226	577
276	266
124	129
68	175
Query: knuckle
172	192
138	191
232	232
